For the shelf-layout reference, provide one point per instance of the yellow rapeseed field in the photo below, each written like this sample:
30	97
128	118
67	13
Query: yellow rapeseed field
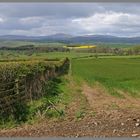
81	47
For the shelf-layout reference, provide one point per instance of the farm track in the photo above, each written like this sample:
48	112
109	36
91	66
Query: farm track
106	116
99	99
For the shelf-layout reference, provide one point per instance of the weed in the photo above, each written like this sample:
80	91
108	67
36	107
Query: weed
80	114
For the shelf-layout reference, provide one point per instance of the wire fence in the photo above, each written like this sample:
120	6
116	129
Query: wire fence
11	93
15	94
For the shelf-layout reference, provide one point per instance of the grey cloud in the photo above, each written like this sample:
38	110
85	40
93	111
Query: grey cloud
63	10
49	18
47	9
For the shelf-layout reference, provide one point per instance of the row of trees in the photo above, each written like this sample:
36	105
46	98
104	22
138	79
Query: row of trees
115	51
32	48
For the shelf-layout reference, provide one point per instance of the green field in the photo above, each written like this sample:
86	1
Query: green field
73	54
36	44
113	73
50	55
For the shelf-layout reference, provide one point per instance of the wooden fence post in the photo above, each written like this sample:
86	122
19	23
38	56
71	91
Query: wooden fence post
17	86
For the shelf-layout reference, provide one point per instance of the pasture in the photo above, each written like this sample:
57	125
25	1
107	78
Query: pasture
113	73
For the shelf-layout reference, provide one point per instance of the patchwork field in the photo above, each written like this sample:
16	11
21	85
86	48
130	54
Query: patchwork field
98	97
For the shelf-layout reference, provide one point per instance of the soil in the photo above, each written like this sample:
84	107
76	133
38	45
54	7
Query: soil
106	116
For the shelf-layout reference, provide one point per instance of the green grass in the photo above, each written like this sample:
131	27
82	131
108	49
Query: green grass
113	73
116	45
59	55
50	55
66	54
36	44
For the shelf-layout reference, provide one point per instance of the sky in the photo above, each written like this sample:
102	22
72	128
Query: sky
41	19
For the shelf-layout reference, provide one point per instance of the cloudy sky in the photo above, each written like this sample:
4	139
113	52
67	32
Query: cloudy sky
39	19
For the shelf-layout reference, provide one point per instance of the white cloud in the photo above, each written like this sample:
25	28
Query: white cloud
31	20
2	20
107	21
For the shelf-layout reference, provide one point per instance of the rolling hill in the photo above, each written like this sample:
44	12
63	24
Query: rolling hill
65	38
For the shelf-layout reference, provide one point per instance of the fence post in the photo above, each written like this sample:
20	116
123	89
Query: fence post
17	86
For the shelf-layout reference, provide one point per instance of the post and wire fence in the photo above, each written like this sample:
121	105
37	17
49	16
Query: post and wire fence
11	93
15	93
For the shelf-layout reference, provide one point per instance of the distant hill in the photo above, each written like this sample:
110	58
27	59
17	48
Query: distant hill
66	38
59	36
18	37
105	39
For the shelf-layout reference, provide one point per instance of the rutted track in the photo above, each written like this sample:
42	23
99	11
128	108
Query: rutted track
107	121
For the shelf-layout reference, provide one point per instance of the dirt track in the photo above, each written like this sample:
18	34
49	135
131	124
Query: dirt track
106	116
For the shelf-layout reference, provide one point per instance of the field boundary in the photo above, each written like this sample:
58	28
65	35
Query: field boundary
28	87
10	96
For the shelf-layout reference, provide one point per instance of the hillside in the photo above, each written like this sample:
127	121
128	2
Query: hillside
66	38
